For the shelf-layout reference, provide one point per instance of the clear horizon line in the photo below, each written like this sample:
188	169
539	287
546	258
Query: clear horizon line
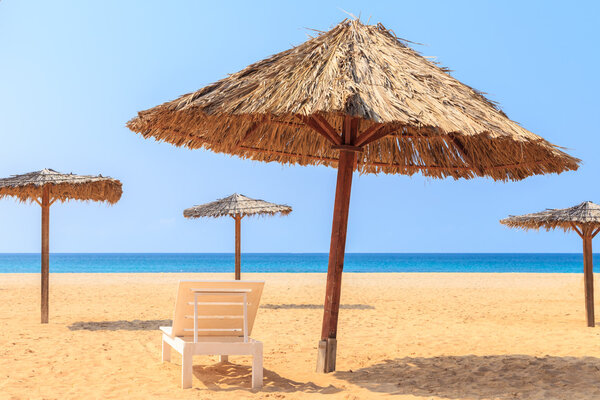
259	253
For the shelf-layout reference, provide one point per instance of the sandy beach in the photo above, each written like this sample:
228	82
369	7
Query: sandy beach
412	336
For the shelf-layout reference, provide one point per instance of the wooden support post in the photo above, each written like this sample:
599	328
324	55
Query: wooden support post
166	351
257	366
187	371
588	276
346	164
238	227
321	355
45	252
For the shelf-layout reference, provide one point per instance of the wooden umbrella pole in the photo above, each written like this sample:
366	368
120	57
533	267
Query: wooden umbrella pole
347	160
45	252
238	227
588	276
328	343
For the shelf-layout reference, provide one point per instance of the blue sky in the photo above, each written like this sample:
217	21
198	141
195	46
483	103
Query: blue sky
73	73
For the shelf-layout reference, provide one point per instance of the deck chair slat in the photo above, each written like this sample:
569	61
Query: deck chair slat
215	330
226	323
212	311
223	290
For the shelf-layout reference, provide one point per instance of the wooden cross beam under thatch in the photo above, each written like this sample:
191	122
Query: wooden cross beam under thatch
236	206
360	99
47	186
583	219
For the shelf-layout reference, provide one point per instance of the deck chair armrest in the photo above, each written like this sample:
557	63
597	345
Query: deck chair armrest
167	330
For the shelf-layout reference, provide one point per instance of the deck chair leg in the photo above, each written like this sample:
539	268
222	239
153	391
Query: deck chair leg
223	358
257	366
166	351
186	367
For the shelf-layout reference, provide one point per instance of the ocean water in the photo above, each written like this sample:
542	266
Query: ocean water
296	262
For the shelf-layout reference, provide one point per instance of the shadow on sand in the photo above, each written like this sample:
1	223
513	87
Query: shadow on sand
134	325
483	377
226	376
315	306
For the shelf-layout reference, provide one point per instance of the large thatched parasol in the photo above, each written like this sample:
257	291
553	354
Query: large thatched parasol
583	219
236	206
356	98
47	186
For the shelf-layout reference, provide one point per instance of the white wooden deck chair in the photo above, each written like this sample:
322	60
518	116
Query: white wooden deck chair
214	318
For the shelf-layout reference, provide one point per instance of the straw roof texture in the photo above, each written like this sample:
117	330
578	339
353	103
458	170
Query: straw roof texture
236	204
586	214
412	115
63	187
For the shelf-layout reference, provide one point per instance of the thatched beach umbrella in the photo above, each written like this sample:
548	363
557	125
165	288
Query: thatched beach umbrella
356	98
583	219
47	186
236	206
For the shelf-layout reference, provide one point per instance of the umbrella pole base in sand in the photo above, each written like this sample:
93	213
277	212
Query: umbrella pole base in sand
326	356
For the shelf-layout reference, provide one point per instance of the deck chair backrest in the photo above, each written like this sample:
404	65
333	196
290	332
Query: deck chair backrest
219	309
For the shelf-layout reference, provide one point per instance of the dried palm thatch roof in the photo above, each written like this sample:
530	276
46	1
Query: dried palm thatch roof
236	204
412	115
63	187
585	214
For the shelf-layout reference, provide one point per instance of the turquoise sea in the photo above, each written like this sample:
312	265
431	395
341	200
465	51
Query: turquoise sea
295	262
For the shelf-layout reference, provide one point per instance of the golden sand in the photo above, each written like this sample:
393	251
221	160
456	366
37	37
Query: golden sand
412	336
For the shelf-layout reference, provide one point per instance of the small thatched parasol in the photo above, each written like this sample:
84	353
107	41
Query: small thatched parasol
236	206
583	219
47	186
358	98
